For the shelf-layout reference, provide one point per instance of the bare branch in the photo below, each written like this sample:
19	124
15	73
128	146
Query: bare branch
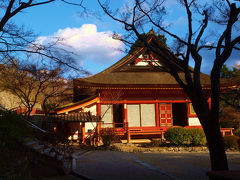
190	33
204	26
160	27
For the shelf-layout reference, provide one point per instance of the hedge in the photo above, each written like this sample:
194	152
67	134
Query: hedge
182	136
197	137
231	142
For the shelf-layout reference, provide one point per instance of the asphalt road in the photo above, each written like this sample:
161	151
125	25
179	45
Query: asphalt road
119	165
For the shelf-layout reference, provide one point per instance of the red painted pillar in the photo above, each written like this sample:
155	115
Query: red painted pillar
209	102
223	133
98	109
126	123
125	113
83	133
157	114
98	123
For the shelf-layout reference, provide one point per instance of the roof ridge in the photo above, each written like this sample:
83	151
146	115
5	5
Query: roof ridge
131	54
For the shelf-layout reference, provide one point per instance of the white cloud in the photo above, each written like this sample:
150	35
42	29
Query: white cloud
181	20
165	24
88	43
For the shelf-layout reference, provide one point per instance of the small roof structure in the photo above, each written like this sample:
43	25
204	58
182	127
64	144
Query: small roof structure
80	104
74	117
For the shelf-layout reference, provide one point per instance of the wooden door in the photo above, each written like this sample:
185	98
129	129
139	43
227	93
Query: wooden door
165	114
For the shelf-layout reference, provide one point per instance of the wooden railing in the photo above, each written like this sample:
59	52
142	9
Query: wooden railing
138	131
227	131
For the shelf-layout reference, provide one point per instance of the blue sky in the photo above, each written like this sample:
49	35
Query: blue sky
95	48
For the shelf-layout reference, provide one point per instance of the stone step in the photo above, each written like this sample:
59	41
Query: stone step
60	157
49	151
32	143
38	148
46	151
52	154
26	140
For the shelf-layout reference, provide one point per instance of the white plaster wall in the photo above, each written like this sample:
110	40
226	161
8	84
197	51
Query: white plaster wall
92	109
90	126
194	122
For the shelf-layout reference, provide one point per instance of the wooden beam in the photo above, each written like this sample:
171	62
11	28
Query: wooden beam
144	101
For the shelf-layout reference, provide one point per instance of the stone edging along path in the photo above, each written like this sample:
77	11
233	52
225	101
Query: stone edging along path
140	148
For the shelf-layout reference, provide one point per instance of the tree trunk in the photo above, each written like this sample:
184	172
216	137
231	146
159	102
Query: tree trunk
212	131
216	147
28	116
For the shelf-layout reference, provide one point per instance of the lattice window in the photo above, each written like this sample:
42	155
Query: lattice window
165	114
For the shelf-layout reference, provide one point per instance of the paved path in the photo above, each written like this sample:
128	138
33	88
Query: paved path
100	165
114	165
186	165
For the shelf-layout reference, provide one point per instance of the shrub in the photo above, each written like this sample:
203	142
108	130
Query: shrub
237	132
178	136
229	124
108	135
231	142
182	136
13	130
197	137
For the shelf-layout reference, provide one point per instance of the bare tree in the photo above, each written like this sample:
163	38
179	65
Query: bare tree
144	13
58	92
27	83
16	42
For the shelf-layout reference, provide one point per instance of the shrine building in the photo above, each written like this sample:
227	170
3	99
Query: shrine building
137	95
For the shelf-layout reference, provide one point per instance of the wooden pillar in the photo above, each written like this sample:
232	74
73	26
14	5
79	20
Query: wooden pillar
128	134
98	133
157	114
126	123
83	133
79	134
98	109
209	102
125	113
162	135
223	133
99	113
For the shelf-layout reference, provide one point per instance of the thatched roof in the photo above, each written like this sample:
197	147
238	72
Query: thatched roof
125	74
